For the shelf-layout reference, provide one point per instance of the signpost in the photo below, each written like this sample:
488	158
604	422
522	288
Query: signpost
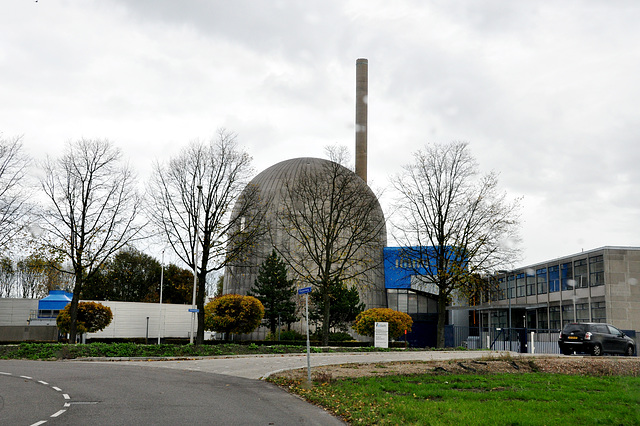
306	291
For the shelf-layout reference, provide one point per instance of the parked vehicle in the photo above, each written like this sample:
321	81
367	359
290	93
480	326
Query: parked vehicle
596	339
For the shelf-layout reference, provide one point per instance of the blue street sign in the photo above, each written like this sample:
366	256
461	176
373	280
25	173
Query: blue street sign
194	310
304	290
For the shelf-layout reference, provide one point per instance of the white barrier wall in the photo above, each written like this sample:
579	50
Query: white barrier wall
16	311
130	321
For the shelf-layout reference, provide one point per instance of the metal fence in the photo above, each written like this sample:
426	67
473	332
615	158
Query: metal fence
503	339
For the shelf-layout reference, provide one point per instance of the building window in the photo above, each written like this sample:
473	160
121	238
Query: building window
543	321
566	276
567	314
582	312
499	319
392	299
598	312
580	273
554	279
520	285
403	303
554	317
511	286
531	319
531	284
410	302
502	289
541	278
596	271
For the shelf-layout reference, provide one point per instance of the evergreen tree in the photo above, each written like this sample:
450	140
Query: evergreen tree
275	292
344	306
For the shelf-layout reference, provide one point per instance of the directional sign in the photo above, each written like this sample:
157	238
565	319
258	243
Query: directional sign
304	290
194	310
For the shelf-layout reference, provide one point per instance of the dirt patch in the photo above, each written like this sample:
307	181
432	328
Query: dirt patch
605	366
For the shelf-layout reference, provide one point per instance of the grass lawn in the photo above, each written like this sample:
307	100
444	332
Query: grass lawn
468	399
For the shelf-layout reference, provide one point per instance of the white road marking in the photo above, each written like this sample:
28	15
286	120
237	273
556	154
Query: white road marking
65	395
58	413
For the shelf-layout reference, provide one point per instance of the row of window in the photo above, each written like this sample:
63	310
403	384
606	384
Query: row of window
555	317
410	302
565	276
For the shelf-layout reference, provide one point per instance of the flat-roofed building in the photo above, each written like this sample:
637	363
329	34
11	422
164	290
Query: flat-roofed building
600	285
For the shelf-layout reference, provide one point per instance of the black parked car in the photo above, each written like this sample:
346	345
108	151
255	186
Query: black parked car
595	338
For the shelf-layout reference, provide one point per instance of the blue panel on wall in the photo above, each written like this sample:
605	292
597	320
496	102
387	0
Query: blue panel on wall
401	263
399	266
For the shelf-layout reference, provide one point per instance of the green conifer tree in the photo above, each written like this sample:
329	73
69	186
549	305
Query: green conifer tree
344	306
275	292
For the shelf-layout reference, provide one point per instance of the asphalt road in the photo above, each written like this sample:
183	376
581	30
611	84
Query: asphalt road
261	366
206	391
90	393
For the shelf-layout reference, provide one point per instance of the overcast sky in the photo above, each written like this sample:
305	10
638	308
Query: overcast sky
545	92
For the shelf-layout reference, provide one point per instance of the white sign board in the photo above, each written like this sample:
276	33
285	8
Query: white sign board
381	339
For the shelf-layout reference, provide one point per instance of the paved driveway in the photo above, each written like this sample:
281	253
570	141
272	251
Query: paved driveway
261	366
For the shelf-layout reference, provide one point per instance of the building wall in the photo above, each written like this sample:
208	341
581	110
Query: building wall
623	288
130	321
16	311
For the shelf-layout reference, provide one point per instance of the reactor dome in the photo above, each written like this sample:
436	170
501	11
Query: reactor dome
279	197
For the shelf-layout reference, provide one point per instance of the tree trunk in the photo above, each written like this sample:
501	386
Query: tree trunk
442	317
200	296
325	317
73	310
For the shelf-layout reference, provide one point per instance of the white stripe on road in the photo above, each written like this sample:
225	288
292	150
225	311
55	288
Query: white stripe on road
58	413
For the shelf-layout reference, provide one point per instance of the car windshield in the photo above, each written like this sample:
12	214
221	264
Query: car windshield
572	328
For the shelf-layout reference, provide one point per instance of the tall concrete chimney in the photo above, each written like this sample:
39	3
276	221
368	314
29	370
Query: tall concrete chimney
362	91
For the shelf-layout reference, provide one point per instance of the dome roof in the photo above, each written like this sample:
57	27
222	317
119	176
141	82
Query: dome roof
273	185
274	178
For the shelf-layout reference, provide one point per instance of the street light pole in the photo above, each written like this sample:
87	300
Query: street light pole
506	281
161	285
195	266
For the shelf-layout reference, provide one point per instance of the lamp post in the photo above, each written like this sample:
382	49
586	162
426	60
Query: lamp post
161	285
195	266
506	280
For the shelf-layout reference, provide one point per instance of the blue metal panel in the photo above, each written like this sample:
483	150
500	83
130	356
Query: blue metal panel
55	301
401	263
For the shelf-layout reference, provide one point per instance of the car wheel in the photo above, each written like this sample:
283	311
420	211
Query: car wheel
629	351
567	351
596	350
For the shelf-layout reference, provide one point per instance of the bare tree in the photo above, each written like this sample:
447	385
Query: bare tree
454	224
13	194
192	200
334	229
91	210
8	287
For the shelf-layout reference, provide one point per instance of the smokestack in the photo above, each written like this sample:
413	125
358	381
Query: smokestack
362	92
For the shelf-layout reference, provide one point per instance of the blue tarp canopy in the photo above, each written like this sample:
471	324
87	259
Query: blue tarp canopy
55	301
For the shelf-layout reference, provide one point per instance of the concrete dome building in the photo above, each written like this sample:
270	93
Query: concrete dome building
278	188
319	216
